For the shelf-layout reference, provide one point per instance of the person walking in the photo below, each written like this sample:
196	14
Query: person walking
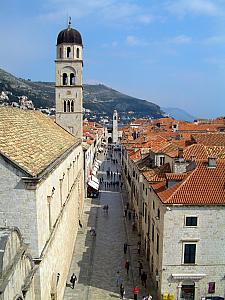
139	250
122	291
135	293
140	267
144	278
119	279
127	266
73	280
129	215
125	248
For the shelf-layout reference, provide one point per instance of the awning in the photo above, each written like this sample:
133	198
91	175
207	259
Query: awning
96	165
95	169
93	184
93	178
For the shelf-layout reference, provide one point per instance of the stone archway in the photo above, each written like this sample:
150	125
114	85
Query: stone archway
18	298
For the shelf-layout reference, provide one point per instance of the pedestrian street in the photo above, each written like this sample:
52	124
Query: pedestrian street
96	260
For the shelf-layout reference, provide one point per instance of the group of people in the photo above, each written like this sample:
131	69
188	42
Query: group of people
114	180
135	292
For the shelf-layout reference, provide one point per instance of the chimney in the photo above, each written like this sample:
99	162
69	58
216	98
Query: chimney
193	157
180	153
211	162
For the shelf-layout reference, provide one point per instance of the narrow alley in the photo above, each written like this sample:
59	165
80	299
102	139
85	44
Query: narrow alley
97	259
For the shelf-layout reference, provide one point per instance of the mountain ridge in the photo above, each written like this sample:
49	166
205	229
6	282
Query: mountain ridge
98	98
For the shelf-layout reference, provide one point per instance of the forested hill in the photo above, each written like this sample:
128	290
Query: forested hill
98	98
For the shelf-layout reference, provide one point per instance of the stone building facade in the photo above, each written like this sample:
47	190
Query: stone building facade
16	266
42	178
180	217
42	192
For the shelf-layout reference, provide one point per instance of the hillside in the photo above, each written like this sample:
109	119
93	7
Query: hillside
97	98
179	114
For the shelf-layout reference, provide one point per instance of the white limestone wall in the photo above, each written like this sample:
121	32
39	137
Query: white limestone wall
155	216
73	52
210	239
56	243
61	180
18	205
59	252
16	282
16	275
62	65
71	121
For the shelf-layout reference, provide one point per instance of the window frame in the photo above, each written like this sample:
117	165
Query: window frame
190	216
183	253
153	232
157	243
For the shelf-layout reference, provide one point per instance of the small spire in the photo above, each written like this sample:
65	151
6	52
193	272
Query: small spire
69	22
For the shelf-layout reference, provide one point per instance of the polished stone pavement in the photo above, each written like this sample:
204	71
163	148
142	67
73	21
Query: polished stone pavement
96	260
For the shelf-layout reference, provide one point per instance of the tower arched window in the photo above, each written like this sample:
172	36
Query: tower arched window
65	79
64	108
60	52
78	52
72	106
68	52
68	106
72	79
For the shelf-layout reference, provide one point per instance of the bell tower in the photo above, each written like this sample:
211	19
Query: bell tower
69	86
115	127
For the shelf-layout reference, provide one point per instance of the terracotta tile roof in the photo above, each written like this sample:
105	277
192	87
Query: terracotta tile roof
157	174
196	150
176	176
159	186
216	152
136	155
200	151
209	139
31	140
203	186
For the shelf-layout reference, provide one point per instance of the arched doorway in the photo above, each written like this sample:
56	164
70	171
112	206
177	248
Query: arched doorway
109	140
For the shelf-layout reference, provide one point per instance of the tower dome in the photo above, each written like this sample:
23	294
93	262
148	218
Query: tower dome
69	36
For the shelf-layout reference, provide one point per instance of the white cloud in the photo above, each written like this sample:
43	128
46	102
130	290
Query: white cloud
112	44
212	40
146	19
112	11
181	39
132	40
197	7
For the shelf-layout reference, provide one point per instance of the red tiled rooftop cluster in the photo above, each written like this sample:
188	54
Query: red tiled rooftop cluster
196	142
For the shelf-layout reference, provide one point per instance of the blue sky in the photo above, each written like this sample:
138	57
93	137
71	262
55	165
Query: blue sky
170	52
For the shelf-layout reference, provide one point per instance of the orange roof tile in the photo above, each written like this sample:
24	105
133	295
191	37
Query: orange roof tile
203	186
209	139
